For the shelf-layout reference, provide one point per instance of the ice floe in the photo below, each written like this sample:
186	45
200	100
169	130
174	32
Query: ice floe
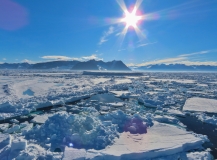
201	105
160	140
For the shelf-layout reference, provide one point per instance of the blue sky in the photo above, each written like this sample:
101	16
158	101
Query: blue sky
180	31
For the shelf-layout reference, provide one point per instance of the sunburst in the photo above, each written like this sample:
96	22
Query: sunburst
131	19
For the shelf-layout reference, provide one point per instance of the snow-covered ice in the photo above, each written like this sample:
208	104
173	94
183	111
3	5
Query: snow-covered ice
207	119
40	118
143	124
5	139
161	140
201	105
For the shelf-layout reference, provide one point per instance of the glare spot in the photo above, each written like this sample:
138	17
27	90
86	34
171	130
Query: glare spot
131	19
70	144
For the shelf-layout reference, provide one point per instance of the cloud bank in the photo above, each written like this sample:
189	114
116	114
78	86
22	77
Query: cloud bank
181	59
66	58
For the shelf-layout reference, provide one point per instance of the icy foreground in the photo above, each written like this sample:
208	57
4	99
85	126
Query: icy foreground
156	143
140	122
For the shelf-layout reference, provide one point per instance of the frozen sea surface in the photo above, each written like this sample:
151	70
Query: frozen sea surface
161	140
101	115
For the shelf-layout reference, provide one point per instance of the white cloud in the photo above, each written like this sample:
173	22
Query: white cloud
145	44
140	45
1	62
198	63
163	61
94	56
65	58
118	34
4	59
103	39
195	53
131	64
182	59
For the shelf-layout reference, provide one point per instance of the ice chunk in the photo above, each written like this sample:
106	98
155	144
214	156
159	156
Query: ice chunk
201	105
207	119
5	139
149	103
13	129
175	112
14	121
166	119
33	151
40	118
74	154
161	139
4	126
122	94
8	107
27	128
18	144
199	155
118	104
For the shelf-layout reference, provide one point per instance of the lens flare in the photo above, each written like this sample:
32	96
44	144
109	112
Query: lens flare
71	145
131	19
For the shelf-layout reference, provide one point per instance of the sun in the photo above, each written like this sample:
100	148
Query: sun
131	19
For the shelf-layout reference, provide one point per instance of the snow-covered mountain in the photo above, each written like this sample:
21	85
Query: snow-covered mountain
54	65
175	67
74	65
42	65
100	65
14	65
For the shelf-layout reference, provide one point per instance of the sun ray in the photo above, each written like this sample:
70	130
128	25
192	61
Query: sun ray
122	36
138	3
122	5
139	33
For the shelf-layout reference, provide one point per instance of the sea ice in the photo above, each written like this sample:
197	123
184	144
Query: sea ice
18	144
4	126
5	139
166	119
199	155
14	128
207	119
160	140
201	105
83	131
40	118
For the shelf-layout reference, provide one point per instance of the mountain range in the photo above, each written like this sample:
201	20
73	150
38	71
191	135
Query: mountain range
175	67
73	65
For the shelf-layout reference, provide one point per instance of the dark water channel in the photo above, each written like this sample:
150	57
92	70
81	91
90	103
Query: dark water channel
98	98
195	125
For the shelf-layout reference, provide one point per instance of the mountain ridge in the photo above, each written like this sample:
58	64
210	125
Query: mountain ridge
175	67
72	65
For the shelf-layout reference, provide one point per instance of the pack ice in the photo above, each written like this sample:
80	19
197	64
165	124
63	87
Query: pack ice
142	125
